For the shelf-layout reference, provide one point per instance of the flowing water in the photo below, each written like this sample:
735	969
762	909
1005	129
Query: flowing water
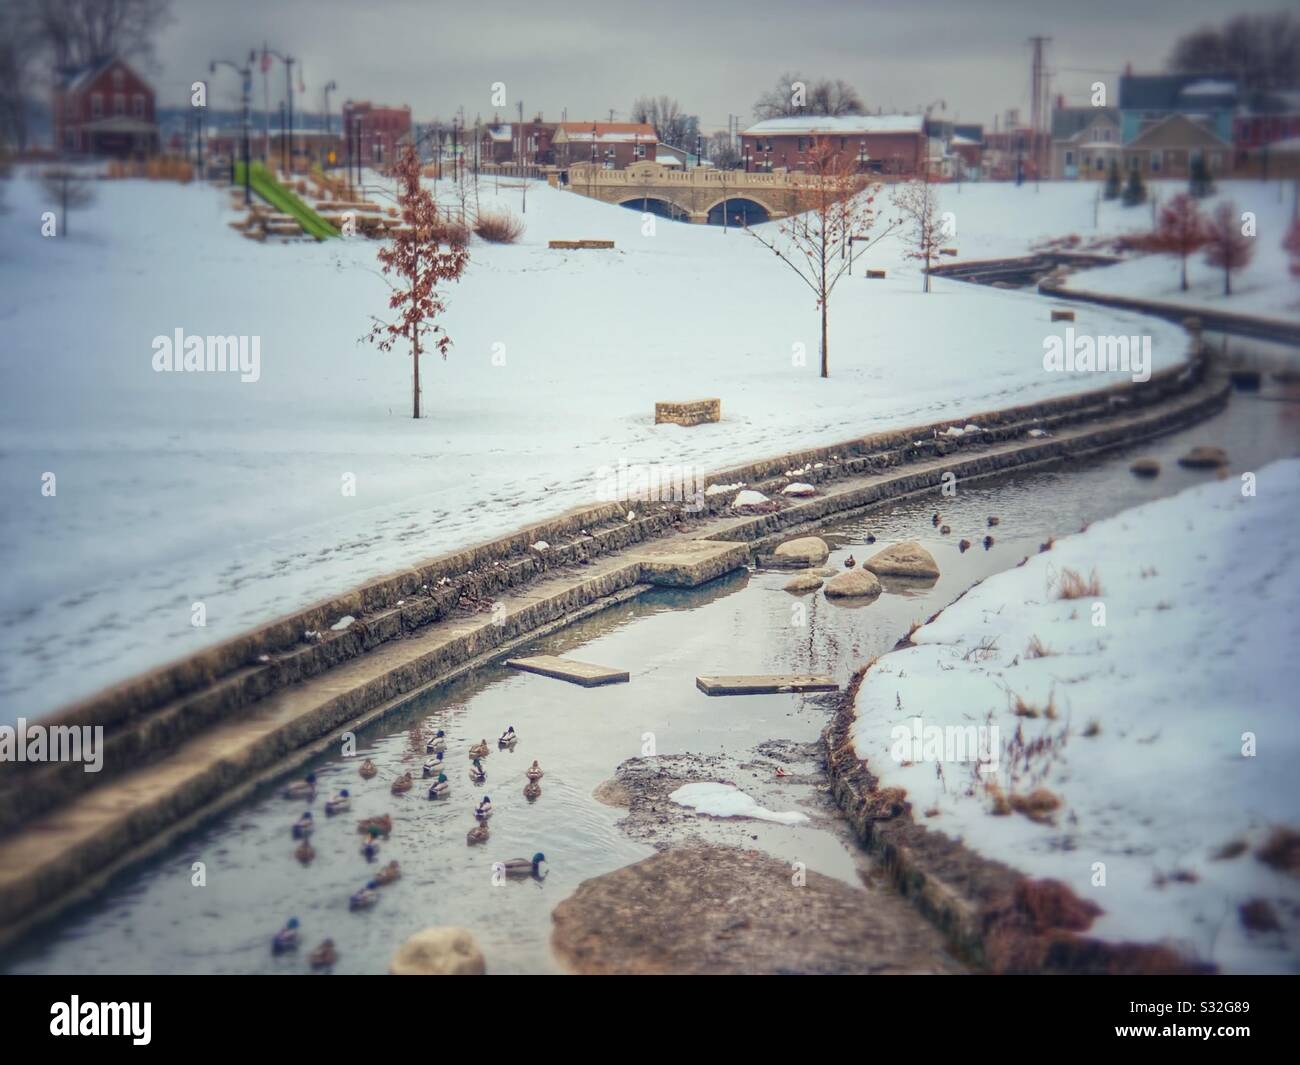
155	919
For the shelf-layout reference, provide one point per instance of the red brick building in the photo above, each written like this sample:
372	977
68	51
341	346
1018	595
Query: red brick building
104	108
613	145
529	143
867	144
381	131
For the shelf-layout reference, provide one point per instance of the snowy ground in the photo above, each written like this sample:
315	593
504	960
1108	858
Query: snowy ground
177	488
1264	287
1148	750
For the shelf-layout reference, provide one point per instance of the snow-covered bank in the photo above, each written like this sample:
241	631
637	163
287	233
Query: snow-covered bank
1167	733
182	488
1264	287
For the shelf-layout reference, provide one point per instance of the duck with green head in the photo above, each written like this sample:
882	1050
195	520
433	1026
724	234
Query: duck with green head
476	772
519	868
439	788
437	744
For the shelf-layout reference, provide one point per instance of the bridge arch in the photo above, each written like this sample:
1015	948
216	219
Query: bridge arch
740	210
657	205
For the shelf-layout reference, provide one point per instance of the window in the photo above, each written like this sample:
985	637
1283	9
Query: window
1069	159
1155	162
96	105
640	151
119	103
803	144
137	105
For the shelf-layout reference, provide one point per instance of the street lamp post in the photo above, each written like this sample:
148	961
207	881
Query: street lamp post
246	81
288	62
330	86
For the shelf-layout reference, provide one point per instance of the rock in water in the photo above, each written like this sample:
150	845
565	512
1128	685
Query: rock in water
853	584
805	551
1145	467
804	582
444	951
903	560
1203	457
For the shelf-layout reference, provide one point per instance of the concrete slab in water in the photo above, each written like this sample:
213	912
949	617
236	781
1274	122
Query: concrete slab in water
766	684
681	563
583	673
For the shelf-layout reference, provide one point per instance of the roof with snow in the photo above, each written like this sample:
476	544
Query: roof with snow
607	132
1168	92
844	125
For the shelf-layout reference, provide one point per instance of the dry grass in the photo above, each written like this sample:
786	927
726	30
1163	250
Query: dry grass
451	232
1071	585
1023	709
1039	805
499	227
1282	851
1037	649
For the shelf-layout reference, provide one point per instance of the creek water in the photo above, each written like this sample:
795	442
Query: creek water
154	919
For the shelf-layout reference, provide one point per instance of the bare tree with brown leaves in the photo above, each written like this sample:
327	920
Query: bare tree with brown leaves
420	263
1226	246
918	203
818	244
68	187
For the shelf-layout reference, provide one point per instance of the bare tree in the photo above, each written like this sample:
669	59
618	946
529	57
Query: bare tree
19	40
793	94
69	188
722	153
1261	51
818	245
672	125
918	203
82	31
1226	246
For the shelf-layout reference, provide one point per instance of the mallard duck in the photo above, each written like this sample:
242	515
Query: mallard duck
534	772
439	788
850	562
484	809
532	791
370	848
434	765
368	770
870	538
437	744
944	530
993	520
301	789
324	956
365	898
305	852
389	873
479	750
477	834
477	773
508	738
383	825
339	803
988	542
304	826
286	938
403	784
936	519
518	868
963	545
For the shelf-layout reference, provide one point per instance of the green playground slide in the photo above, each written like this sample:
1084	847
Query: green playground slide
264	184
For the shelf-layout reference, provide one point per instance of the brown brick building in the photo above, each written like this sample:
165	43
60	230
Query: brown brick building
867	144
381	131
612	145
104	108
519	142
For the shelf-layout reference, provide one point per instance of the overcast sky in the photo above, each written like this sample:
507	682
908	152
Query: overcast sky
716	57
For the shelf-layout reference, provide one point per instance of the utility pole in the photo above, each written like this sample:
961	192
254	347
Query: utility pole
330	86
1038	102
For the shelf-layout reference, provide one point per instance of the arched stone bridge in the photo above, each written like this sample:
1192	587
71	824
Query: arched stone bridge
700	194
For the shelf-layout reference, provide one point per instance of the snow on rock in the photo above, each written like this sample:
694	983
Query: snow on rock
748	498
344	622
1168	733
798	488
542	545
716	799
723	489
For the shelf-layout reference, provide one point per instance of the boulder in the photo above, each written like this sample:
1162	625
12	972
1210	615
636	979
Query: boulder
1145	467
903	560
748	498
800	553
853	584
441	951
1203	457
799	488
804	582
